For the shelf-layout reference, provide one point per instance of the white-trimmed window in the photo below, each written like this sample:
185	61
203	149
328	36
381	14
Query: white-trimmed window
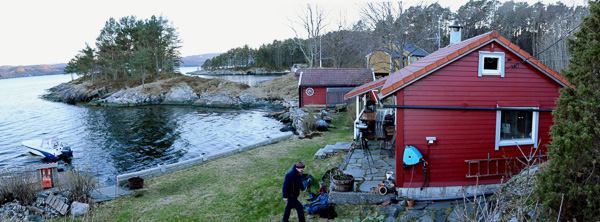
516	126
491	63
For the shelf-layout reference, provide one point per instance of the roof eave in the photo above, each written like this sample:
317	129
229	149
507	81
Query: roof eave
533	64
470	51
436	68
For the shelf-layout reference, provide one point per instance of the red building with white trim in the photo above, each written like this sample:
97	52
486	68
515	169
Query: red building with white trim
471	109
326	87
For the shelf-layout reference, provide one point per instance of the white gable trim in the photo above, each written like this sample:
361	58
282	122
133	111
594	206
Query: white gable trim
463	55
436	68
532	64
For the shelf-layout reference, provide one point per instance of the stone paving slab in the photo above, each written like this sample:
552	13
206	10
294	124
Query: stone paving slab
357	154
328	148
108	193
321	154
375	173
354	166
379	178
440	216
414	214
340	147
348	144
366	186
355	172
357	198
380	163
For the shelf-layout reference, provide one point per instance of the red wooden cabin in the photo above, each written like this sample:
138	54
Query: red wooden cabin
326	87
465	108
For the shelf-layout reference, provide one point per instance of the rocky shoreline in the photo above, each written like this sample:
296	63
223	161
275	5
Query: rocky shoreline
41	209
254	71
181	94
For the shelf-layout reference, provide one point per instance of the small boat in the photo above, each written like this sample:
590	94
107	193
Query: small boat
49	148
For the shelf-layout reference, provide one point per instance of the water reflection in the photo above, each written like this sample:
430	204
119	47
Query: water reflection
118	140
138	137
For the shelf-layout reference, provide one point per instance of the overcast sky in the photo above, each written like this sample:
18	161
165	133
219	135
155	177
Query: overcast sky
53	31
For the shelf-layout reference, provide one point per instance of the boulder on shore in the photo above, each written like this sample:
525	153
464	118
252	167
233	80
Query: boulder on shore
78	209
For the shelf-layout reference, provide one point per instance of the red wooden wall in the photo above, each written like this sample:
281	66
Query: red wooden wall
318	98
463	135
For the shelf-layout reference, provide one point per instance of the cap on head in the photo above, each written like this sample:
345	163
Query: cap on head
300	165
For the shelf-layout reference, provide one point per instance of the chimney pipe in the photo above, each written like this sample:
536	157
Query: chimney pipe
455	33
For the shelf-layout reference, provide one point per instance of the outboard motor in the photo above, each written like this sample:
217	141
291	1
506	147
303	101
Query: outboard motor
66	153
412	156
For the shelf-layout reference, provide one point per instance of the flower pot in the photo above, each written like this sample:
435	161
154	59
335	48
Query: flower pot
410	202
343	183
135	183
389	175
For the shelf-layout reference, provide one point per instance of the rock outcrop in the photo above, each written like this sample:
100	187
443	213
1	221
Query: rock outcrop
74	93
181	94
253	71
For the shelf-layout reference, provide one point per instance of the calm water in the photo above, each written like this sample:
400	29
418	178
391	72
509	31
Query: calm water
118	140
251	80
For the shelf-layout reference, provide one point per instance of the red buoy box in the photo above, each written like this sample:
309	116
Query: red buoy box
47	174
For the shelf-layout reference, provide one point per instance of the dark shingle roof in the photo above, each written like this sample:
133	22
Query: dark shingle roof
335	77
411	49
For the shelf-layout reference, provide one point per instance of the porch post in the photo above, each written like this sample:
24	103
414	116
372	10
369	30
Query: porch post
357	113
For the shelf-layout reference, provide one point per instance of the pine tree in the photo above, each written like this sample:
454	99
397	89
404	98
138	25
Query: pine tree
571	183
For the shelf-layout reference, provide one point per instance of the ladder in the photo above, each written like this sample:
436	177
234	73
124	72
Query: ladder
487	162
494	163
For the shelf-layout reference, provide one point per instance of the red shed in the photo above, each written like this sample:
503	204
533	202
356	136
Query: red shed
471	109
326	87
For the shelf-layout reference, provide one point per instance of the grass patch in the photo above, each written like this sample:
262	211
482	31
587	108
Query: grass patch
282	87
242	187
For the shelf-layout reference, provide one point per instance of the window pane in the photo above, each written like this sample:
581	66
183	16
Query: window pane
490	63
516	125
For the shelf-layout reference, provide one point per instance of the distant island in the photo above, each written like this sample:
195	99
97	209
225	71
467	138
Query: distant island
7	72
197	60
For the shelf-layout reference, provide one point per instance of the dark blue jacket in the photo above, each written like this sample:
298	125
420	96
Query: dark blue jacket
292	184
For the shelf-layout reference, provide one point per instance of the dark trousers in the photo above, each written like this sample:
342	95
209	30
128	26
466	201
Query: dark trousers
293	203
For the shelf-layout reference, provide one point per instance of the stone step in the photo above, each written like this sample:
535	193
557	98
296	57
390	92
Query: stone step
344	144
322	154
329	150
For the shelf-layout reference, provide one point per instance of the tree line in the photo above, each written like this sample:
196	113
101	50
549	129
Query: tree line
275	55
129	47
384	24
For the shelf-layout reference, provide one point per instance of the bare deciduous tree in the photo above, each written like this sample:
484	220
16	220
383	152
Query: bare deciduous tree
312	22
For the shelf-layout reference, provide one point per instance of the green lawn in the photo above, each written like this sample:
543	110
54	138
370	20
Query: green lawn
242	187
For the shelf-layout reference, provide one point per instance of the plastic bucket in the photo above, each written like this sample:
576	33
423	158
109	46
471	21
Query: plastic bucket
135	183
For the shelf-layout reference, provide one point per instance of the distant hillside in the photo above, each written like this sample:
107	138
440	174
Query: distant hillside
197	60
33	70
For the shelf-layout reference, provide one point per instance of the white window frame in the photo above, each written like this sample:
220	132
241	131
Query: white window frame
514	142
497	72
